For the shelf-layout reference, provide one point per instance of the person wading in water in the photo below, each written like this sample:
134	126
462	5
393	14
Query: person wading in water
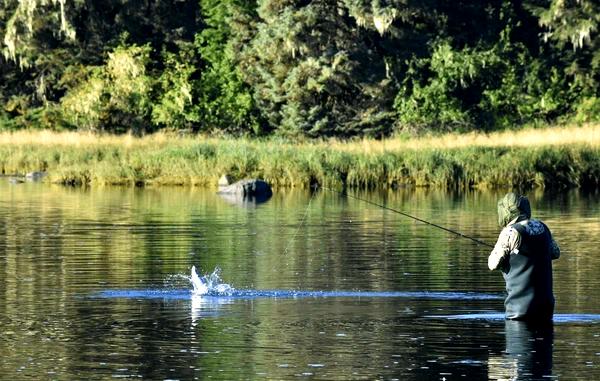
524	253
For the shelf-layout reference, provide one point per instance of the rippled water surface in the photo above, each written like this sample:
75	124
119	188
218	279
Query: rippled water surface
94	286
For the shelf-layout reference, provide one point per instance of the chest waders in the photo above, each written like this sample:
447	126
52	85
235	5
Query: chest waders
528	276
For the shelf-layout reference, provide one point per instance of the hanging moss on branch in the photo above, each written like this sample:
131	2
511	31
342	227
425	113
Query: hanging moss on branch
298	69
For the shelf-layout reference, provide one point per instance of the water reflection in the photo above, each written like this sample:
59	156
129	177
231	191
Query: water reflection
243	200
60	245
207	306
528	354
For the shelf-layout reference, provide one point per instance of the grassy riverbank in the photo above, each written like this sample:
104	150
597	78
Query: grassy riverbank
551	157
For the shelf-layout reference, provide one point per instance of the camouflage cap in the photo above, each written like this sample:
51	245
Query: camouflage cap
512	206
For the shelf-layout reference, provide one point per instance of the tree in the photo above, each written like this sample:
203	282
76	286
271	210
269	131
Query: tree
49	45
324	68
26	20
501	77
571	22
115	97
225	102
571	27
35	36
175	105
298	67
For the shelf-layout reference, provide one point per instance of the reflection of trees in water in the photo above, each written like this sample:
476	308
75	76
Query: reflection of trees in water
154	340
573	218
337	228
342	242
75	240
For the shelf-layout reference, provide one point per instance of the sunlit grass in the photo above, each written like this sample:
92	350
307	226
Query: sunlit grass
557	157
588	134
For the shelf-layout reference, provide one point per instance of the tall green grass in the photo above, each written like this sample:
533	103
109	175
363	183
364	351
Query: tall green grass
200	161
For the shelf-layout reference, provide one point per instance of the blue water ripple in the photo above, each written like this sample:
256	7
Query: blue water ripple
291	294
497	316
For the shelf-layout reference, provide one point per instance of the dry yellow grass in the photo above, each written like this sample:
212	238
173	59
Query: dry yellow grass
80	139
588	135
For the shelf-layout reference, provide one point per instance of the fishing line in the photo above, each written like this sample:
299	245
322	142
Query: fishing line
410	216
301	223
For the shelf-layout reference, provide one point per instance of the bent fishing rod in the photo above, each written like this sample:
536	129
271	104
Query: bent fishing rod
408	215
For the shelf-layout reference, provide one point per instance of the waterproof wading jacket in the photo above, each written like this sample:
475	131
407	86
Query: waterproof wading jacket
527	271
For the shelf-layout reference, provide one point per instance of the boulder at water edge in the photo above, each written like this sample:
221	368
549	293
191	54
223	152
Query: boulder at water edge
246	188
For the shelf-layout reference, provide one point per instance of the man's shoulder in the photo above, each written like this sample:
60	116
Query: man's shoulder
530	227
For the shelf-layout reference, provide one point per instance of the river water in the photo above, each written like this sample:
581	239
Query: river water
95	286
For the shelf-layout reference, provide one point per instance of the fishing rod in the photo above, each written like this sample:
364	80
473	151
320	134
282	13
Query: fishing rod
409	216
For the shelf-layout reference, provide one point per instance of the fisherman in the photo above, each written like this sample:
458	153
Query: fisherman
524	253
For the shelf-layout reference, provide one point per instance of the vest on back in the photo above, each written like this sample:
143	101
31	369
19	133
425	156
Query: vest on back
528	276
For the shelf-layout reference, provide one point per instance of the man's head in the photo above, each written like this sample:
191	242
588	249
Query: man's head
513	206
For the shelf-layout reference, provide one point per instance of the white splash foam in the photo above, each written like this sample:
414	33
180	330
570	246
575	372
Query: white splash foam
200	288
211	283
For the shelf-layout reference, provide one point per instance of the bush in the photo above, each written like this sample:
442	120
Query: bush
114	97
503	86
587	110
175	107
436	91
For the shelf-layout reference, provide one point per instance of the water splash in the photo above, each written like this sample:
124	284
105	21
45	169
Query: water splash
176	281
209	293
200	287
210	284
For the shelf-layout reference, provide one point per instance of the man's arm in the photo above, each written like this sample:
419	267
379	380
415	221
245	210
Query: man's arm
509	241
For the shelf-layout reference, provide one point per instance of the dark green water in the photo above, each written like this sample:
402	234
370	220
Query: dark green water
60	246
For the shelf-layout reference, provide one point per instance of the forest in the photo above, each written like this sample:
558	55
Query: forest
298	68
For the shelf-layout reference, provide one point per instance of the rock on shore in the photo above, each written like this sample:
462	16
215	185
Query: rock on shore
247	187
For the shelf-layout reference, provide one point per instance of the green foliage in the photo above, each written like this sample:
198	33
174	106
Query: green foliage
313	72
116	96
175	107
298	68
572	23
588	110
429	98
225	102
49	45
572	31
525	96
24	20
481	88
